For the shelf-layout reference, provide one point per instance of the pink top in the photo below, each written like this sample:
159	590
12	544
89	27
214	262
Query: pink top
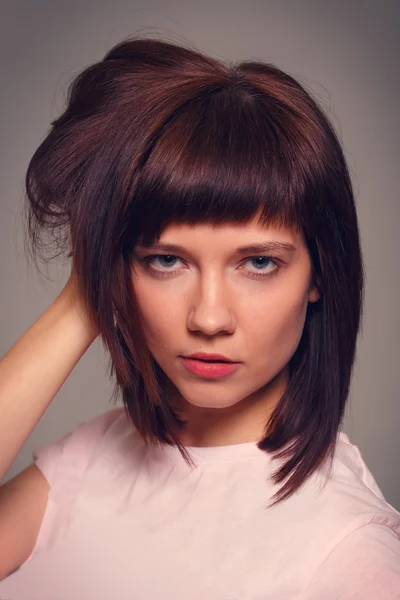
128	522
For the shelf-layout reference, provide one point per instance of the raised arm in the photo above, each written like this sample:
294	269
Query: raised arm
31	373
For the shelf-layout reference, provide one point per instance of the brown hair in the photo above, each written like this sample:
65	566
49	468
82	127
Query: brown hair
157	133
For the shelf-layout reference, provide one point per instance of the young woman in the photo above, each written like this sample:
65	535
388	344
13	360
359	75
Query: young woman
209	215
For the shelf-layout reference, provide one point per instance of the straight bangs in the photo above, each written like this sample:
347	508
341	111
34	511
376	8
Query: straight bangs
224	157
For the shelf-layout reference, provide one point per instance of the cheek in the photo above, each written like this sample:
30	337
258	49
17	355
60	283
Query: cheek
277	327
160	316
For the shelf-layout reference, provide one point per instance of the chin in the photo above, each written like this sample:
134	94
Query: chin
210	399
217	404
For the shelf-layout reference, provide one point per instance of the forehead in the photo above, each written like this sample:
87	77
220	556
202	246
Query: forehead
230	233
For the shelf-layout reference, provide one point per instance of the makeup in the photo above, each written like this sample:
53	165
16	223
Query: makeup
212	369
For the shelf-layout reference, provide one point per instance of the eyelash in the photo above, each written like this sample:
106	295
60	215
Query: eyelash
163	274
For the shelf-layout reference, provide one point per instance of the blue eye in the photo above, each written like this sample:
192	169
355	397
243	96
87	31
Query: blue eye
260	263
166	262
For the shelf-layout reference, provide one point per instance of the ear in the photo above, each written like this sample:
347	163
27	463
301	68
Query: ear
314	293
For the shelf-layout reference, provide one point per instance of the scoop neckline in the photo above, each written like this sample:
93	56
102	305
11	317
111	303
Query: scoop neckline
210	453
217	453
204	454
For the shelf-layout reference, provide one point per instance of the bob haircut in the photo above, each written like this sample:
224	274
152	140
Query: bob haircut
157	133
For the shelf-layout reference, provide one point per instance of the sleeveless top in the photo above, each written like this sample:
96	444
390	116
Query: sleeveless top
127	521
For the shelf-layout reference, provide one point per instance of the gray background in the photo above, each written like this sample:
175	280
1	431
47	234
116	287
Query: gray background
345	52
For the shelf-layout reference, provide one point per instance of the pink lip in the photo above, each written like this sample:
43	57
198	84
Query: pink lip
205	356
211	370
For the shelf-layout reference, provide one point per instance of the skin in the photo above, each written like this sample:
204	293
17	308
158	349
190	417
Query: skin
208	298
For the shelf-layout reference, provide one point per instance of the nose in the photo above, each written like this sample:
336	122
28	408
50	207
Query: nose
211	312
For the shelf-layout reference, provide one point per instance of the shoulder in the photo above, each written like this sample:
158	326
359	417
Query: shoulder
76	445
364	564
346	521
349	488
65	462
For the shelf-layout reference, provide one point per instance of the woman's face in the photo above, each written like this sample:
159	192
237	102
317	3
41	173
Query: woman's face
200	290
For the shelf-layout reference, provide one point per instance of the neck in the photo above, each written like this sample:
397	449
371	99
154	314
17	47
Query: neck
245	421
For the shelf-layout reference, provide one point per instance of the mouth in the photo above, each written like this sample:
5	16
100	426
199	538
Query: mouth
228	362
211	358
211	369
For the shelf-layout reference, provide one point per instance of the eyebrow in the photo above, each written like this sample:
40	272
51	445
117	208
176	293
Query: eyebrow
271	246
